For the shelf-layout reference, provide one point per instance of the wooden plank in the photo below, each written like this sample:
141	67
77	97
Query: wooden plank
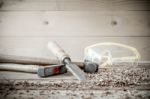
76	94
79	23
28	5
111	5
74	5
73	45
21	76
29	76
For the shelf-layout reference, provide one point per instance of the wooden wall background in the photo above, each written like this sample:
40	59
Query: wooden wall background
74	24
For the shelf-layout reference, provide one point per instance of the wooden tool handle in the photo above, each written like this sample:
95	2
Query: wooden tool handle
5	58
57	51
19	67
8	56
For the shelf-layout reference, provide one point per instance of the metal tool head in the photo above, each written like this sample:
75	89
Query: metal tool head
51	70
90	67
77	72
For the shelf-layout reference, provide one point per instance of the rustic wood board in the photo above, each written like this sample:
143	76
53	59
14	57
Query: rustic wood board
74	5
29	76
74	46
75	24
28	29
67	94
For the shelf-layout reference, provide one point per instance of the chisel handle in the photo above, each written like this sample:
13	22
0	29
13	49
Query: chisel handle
63	57
58	51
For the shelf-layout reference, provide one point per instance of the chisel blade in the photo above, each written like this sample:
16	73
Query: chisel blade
77	72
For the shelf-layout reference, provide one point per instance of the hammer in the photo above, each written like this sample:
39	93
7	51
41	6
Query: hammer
6	57
42	71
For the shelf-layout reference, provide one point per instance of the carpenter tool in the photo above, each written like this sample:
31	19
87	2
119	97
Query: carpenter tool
6	57
51	70
64	58
41	71
22	59
90	67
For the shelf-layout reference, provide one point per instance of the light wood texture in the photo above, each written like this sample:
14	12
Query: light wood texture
74	24
74	5
74	46
28	76
24	59
19	67
11	75
104	5
78	94
63	23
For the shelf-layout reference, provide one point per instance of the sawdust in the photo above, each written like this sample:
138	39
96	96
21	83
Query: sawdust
106	78
113	77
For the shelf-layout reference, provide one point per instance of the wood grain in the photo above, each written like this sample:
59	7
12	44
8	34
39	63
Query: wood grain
74	24
75	5
74	46
85	24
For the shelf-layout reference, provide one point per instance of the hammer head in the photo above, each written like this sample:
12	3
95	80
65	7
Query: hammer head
51	70
90	67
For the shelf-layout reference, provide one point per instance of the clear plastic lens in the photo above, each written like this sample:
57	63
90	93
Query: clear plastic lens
111	53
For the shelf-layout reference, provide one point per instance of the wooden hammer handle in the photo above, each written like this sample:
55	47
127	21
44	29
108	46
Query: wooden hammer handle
6	58
19	67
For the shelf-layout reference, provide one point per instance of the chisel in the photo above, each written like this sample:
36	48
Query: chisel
64	58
